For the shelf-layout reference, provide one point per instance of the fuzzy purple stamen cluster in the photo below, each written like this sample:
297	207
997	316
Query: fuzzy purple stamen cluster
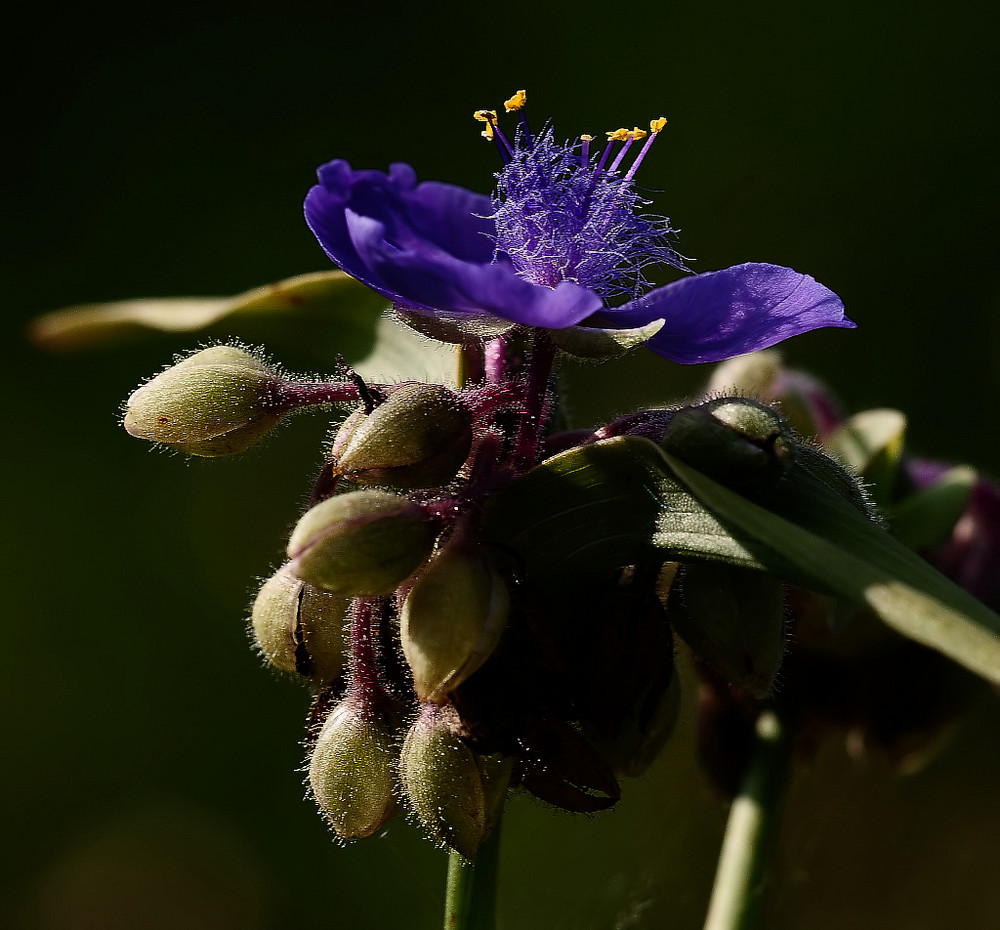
560	219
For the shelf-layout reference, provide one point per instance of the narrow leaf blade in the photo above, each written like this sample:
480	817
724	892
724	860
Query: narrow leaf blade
822	542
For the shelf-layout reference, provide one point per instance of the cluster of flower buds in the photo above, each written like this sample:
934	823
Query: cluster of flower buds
444	675
447	671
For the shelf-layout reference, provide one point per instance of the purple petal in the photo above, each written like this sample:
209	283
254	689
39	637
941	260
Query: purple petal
429	279
719	314
443	216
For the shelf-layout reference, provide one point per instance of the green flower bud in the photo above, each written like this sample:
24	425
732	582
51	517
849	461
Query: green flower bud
734	619
300	628
871	443
217	402
364	543
352	771
836	478
456	793
418	438
807	405
731	438
452	620
751	375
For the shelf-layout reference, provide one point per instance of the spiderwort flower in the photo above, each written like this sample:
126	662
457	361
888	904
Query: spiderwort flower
562	242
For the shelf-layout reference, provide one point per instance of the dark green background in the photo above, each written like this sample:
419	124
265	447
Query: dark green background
150	775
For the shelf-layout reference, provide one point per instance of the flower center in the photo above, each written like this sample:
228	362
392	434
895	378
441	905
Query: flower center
565	214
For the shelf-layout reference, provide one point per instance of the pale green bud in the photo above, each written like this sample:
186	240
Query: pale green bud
734	618
364	543
217	402
419	437
456	793
300	628
452	620
751	375
352	771
731	438
807	405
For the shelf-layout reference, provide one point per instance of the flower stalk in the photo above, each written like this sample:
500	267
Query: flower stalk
738	896
533	409
471	894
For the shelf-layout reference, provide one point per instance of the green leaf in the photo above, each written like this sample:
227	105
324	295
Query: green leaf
598	507
325	314
590	510
812	536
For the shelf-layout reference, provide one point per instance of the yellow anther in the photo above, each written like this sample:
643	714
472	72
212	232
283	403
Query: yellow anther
619	135
638	133
490	118
516	102
586	138
656	125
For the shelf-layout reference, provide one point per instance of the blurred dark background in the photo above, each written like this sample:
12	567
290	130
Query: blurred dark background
151	774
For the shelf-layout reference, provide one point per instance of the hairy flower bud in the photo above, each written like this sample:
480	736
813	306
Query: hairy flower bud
217	402
734	619
731	438
300	628
352	771
807	404
364	543
456	793
418	438
452	620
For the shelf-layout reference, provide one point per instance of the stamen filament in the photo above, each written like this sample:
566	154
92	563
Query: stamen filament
613	137
655	128
633	136
613	167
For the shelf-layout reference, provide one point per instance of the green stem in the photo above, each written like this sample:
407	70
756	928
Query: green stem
741	878
471	896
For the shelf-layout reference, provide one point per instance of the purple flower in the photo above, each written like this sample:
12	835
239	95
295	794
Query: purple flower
562	242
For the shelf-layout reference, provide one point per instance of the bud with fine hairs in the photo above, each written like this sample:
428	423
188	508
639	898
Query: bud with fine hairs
456	793
732	439
452	619
219	401
733	619
353	767
300	628
419	437
363	543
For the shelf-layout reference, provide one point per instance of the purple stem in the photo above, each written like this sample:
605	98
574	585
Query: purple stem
536	394
290	395
495	359
365	685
